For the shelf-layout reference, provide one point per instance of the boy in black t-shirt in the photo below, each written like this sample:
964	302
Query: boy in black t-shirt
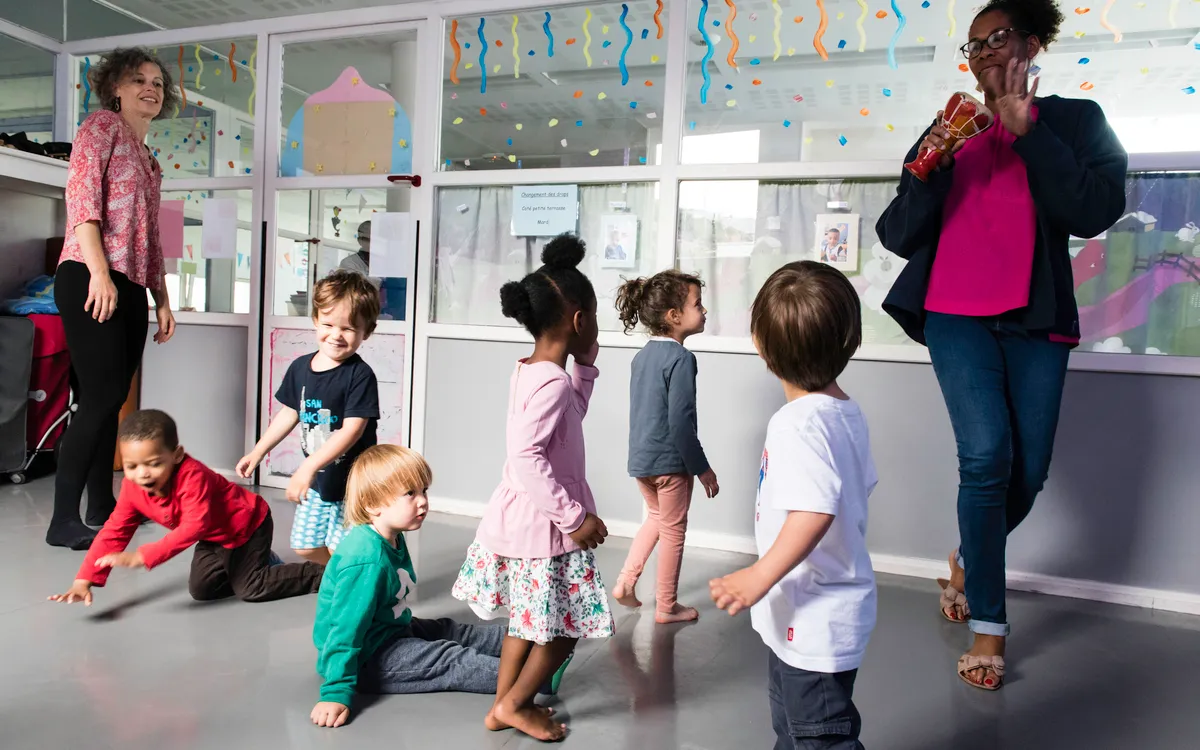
334	397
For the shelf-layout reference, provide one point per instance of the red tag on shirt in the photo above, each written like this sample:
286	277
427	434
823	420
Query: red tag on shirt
790	633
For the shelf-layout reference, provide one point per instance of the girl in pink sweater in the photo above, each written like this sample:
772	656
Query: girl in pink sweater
531	560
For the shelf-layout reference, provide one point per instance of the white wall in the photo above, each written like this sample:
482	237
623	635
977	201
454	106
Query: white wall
1119	508
26	221
199	378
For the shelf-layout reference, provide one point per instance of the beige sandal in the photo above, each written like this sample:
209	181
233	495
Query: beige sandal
953	599
968	663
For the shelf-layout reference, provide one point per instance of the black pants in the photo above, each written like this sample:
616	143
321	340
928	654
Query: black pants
246	572
813	710
104	358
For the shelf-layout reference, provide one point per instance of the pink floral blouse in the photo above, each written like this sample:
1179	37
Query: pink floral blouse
114	180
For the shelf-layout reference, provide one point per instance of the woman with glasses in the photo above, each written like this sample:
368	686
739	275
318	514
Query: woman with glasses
988	289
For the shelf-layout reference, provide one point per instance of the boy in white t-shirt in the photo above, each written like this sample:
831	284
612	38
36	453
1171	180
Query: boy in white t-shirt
812	592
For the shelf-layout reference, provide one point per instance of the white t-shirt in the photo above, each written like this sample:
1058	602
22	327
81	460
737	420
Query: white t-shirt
818	458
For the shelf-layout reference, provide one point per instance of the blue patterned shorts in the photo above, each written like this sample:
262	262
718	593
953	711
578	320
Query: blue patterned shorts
317	523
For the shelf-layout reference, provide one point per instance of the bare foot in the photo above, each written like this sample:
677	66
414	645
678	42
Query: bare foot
958	578
531	720
495	725
625	595
985	645
678	613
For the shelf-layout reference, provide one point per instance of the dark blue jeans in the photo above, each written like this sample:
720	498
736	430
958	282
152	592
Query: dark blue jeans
813	710
1003	388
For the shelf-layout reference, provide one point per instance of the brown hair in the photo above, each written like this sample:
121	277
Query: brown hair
349	286
106	75
150	424
807	322
381	474
648	300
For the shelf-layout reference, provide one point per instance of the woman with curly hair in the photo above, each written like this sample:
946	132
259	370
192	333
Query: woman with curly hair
111	256
988	289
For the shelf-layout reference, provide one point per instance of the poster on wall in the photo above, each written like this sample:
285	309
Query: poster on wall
618	237
544	210
837	241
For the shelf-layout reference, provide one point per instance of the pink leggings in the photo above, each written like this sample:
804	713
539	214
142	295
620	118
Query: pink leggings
668	498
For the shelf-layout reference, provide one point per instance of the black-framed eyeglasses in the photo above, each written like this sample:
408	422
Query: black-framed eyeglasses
995	40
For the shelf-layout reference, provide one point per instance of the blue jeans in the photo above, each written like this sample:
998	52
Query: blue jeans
435	656
813	710
1003	388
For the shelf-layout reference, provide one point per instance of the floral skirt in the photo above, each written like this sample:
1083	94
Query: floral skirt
543	597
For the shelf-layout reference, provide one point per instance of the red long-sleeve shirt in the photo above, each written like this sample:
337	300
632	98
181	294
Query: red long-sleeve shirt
200	505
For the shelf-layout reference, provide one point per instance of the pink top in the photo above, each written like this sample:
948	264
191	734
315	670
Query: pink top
984	259
114	180
544	494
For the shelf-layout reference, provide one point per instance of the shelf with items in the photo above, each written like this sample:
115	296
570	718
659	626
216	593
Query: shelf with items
30	173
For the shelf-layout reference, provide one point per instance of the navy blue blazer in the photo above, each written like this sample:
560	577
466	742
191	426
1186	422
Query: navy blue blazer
1076	169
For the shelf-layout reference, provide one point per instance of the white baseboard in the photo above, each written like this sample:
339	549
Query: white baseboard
915	567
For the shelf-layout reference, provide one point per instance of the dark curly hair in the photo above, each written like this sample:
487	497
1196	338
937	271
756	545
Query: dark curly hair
150	424
540	300
648	300
106	76
1040	18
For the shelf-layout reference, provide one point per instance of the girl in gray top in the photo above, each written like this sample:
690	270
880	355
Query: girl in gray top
665	455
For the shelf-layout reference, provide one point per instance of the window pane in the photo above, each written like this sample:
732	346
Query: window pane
199	284
563	87
26	90
477	252
211	131
1138	285
44	18
882	86
341	221
347	105
89	20
737	233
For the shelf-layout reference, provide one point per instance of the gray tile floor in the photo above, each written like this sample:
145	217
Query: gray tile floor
146	667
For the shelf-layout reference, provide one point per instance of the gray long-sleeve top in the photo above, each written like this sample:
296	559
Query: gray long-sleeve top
662	412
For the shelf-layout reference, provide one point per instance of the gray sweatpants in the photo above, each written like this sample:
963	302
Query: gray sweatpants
435	656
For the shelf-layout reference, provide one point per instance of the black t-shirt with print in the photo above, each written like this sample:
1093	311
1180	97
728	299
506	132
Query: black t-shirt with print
324	401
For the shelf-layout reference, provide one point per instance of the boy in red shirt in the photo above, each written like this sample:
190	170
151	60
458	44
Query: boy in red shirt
230	526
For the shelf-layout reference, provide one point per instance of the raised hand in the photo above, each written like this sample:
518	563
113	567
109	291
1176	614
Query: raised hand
1014	106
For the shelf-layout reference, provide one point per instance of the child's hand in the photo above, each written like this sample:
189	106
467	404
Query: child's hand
591	533
80	591
299	485
122	560
589	359
245	468
709	480
330	714
740	590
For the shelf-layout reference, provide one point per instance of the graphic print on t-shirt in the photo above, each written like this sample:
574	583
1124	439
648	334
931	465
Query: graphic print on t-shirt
406	586
316	424
762	474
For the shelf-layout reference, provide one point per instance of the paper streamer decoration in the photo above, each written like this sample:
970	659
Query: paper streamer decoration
733	39
953	23
708	54
587	37
232	67
182	88
628	43
200	70
87	85
483	46
862	32
549	36
902	21
1108	24
818	45
516	53
253	79
457	51
775	27
1171	11
657	20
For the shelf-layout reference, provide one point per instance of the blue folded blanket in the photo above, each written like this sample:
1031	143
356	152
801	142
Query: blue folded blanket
37	297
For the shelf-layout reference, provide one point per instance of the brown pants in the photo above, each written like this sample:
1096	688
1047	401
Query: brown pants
246	571
668	498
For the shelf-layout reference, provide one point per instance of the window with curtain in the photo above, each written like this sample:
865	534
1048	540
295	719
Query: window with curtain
477	252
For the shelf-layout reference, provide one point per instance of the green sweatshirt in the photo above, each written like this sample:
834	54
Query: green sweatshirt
361	605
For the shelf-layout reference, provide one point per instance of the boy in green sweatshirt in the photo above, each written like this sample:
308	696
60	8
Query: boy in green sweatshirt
366	637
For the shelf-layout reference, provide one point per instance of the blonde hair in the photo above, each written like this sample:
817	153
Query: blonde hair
352	287
380	475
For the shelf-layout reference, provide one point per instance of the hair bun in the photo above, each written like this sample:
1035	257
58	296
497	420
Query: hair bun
564	251
515	302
